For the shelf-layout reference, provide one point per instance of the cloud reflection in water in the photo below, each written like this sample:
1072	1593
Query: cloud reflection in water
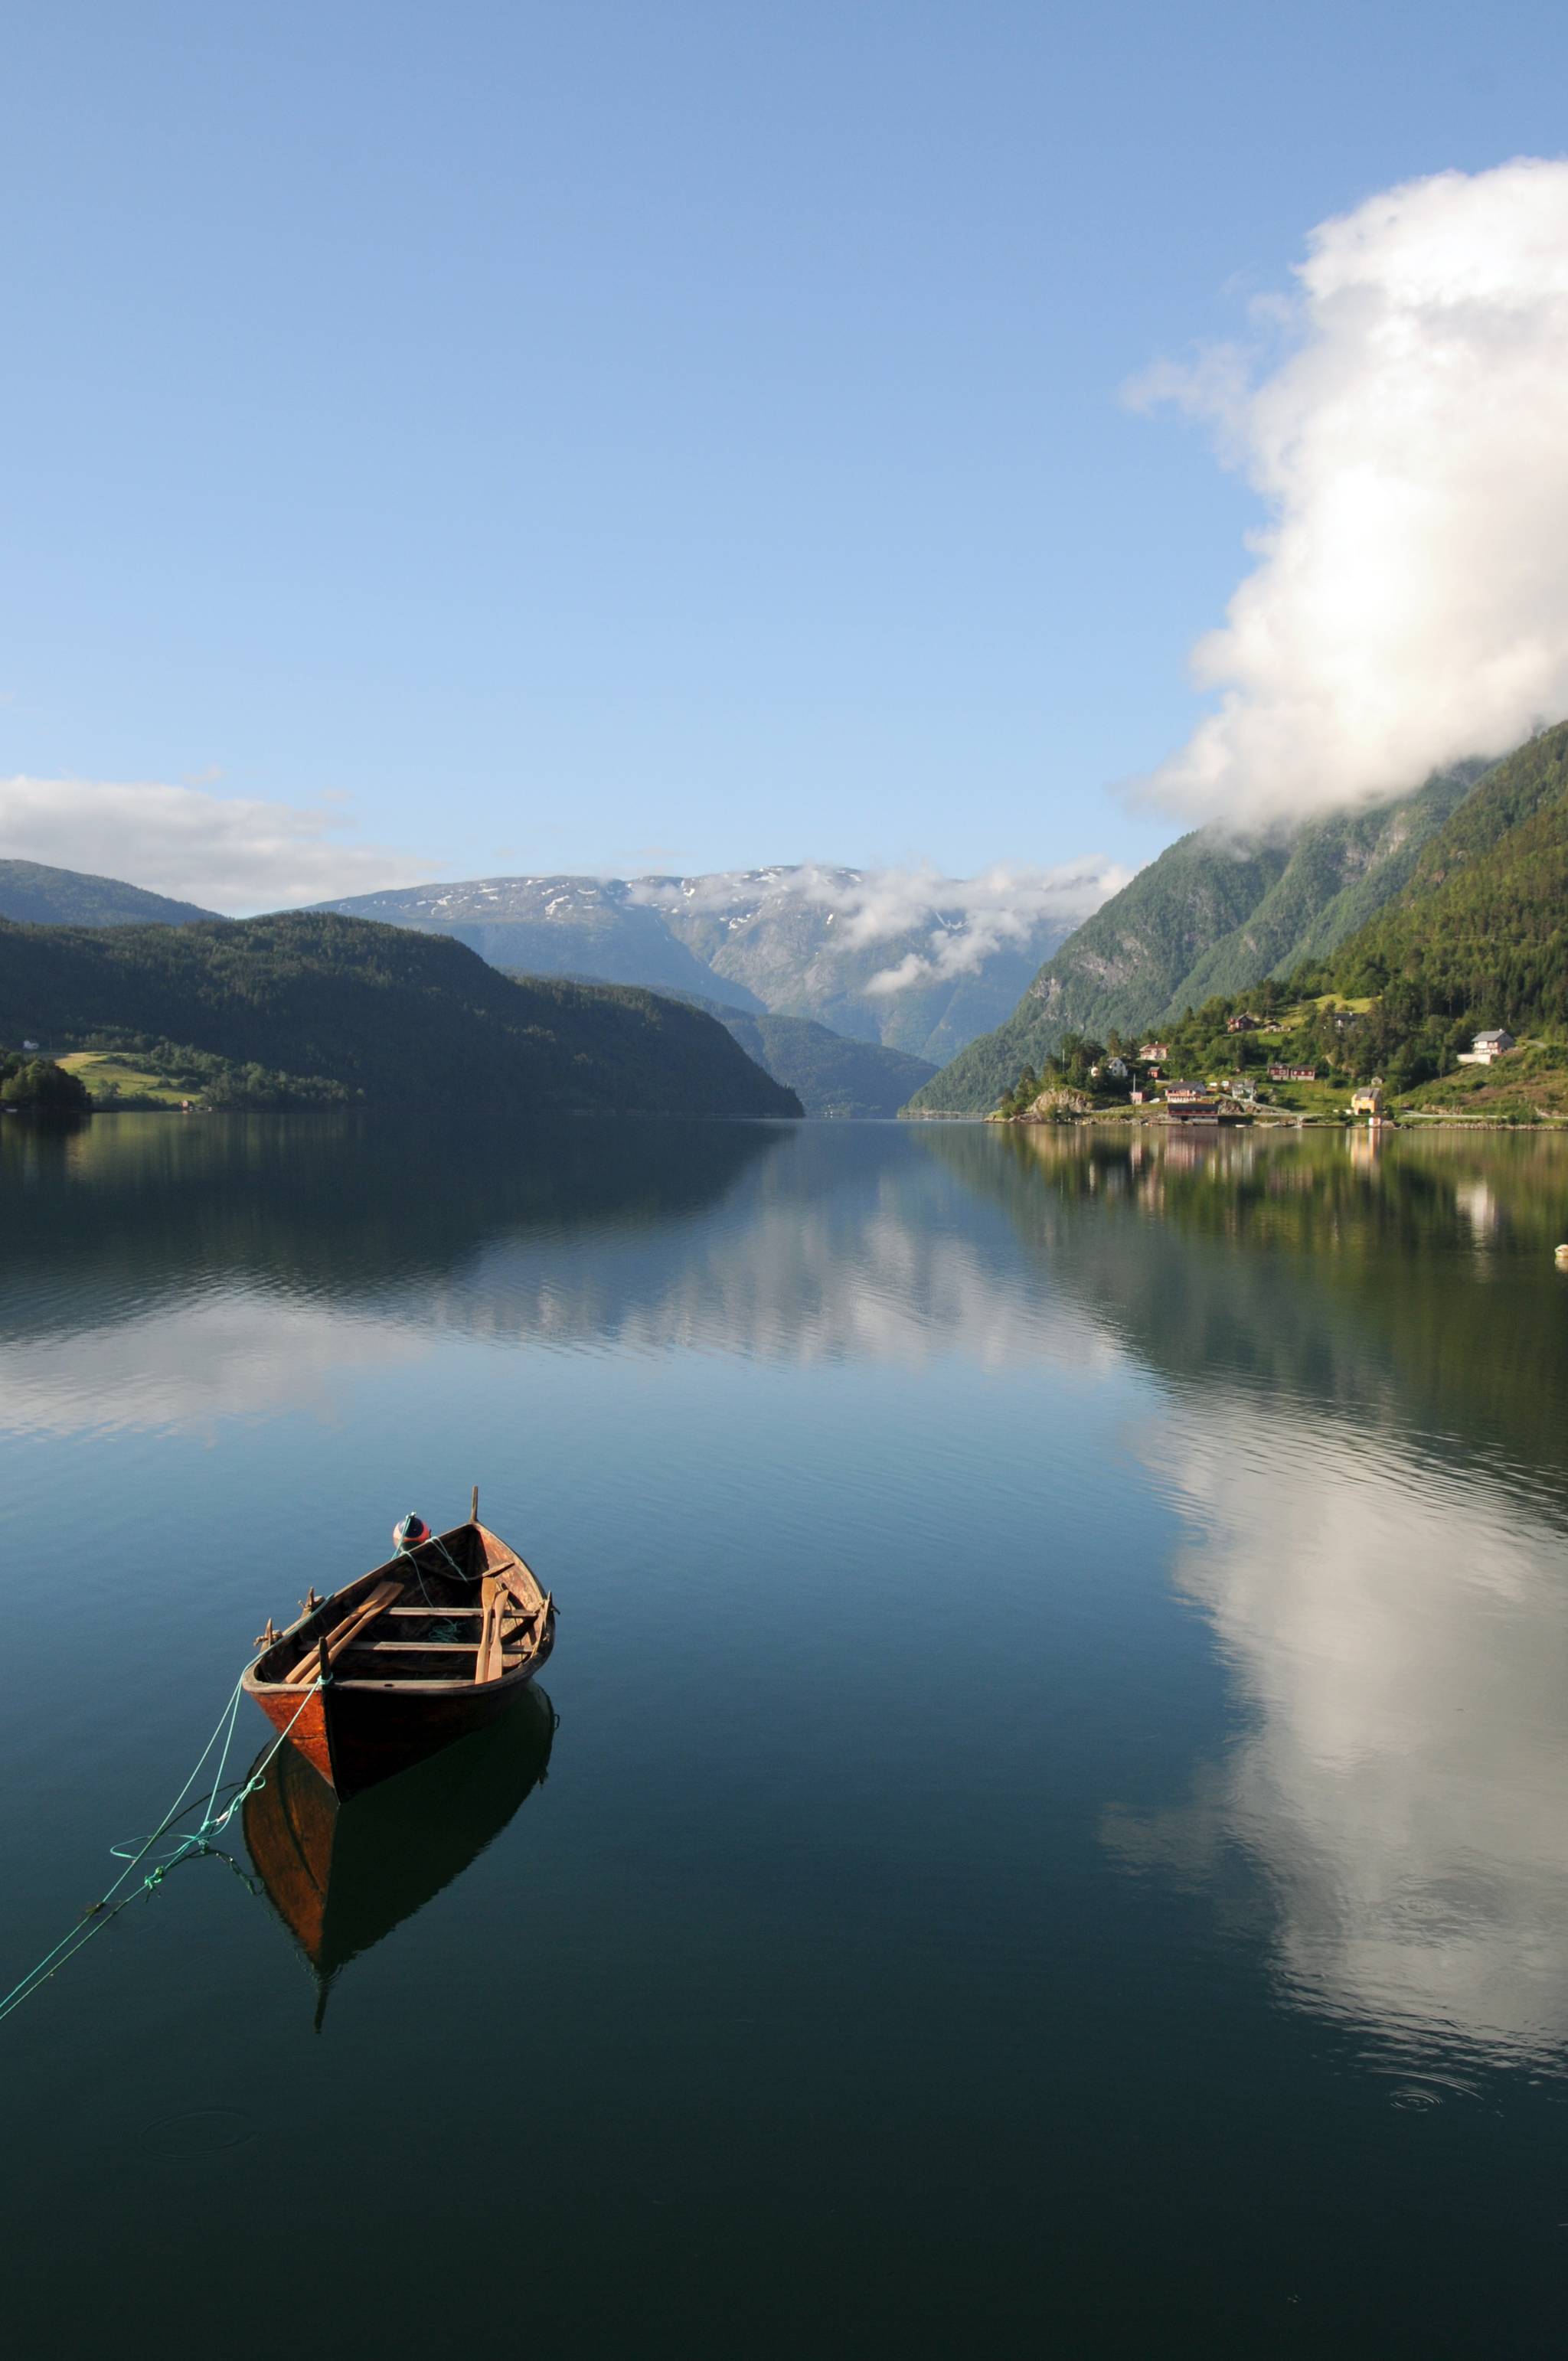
1398	1636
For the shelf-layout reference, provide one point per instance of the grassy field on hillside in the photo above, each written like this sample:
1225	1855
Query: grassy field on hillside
1530	1082
108	1077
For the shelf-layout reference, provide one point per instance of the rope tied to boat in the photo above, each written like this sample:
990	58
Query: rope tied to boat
98	1915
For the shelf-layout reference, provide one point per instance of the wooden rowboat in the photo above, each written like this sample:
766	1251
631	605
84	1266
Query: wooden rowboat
420	1650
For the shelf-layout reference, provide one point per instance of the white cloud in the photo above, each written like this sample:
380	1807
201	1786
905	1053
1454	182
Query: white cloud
966	920
962	920
227	852
1409	604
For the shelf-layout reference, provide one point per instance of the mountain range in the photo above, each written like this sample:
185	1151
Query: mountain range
792	942
1446	904
576	929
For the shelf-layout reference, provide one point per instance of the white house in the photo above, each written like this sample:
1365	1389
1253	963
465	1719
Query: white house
1486	1047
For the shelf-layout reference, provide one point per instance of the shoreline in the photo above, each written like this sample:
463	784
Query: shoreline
1410	1119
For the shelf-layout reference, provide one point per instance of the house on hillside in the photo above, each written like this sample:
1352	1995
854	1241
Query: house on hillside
1242	1022
1292	1074
1368	1101
1155	1053
1487	1046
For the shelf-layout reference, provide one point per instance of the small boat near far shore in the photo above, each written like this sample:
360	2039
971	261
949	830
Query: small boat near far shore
398	1663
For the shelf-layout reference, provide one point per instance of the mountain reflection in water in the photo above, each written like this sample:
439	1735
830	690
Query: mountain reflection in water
342	1876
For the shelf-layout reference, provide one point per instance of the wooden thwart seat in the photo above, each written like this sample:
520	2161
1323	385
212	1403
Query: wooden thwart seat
340	1636
434	1614
411	1647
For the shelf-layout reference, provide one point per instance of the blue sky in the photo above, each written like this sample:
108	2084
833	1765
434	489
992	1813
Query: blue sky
608	436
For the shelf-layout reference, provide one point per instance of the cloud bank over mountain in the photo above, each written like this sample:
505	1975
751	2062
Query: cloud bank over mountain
960	922
1401	415
238	854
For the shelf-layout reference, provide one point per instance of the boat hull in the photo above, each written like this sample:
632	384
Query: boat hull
356	1733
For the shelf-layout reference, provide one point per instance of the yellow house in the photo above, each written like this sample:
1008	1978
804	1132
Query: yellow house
1368	1101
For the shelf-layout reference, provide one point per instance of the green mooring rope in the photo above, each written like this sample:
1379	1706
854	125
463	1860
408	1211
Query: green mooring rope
402	1550
98	1915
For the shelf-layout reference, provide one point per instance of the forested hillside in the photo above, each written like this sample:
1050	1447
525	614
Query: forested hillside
1340	873
310	1007
1479	932
35	896
1208	916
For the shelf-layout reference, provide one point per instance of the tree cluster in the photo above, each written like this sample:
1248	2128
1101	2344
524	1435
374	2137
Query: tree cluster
41	1084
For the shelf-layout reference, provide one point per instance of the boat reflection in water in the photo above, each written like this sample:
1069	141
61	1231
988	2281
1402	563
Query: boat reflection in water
342	1876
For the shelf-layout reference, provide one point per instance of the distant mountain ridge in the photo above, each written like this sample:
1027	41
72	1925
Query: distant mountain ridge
829	1074
551	925
790	940
33	894
1210	916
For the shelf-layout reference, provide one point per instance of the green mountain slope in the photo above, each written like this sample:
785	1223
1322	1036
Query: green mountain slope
830	1074
1118	971
336	1007
1480	931
35	896
1340	873
1208	917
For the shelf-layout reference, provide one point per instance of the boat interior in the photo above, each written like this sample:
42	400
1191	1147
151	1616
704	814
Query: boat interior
459	1610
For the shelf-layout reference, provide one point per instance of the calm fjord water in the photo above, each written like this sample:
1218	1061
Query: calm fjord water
1056	1834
